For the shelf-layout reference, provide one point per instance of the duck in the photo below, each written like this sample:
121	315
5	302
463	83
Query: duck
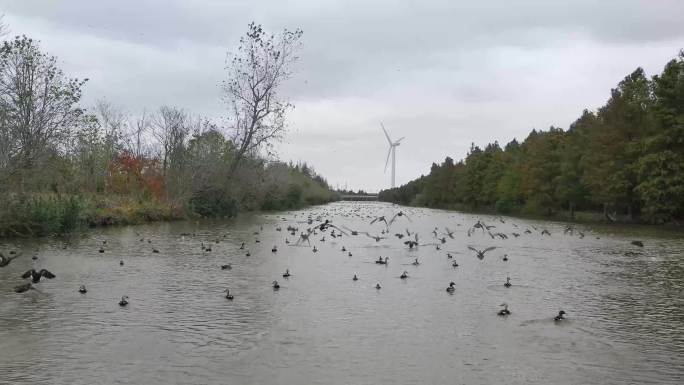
355	278
415	263
248	253
228	295
274	249
4	261
24	288
349	254
287	273
121	262
504	312
508	282
276	286
404	275
380	261
377	286
449	256
157	251
343	249
226	267
287	241
451	287
315	250
242	246
454	264
637	243
82	289
124	301
505	258
560	316
37	275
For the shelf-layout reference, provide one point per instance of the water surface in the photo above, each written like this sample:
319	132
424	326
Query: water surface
624	305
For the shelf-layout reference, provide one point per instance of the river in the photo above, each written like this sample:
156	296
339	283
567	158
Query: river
624	304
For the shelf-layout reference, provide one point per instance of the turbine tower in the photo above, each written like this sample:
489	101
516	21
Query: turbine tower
392	151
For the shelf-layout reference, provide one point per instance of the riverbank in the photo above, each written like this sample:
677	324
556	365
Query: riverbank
39	215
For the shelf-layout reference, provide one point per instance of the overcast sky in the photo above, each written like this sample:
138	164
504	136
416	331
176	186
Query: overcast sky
441	73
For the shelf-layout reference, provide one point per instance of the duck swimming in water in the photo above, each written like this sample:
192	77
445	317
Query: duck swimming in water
454	264
416	263
504	312
121	263
226	267
4	261
343	249
451	287
355	278
315	249
24	288
505	258
404	275
248	253
82	289
380	261
349	254
276	286
274	249
560	316
287	273
377	286
508	282
37	275
124	301
228	295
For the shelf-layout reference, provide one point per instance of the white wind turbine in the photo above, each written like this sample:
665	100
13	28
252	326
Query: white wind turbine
392	151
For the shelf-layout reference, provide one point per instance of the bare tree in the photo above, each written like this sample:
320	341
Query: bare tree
38	104
255	73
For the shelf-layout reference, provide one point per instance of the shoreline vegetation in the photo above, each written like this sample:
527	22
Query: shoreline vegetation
64	167
622	163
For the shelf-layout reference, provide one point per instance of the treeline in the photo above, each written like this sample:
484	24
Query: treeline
626	161
63	166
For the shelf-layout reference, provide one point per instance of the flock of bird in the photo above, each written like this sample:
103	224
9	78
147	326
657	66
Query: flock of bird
316	225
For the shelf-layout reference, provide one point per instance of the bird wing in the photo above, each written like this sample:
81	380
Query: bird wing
27	274
488	249
392	220
474	249
375	220
47	274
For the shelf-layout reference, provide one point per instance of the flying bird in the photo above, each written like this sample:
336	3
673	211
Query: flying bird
480	254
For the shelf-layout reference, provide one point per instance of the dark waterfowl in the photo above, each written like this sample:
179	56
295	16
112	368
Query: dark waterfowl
560	316
355	278
242	246
228	295
454	264
505	258
415	263
404	275
82	289
102	250
226	267
480	254
37	275
508	282
24	288
124	301
121	262
377	286
274	249
156	251
276	286
349	254
4	261
287	273
380	261
504	311
451	287
638	243
315	249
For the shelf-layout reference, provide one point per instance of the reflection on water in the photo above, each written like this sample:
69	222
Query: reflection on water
624	303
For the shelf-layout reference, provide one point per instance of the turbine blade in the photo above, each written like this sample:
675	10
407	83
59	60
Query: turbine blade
386	134
388	156
399	140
